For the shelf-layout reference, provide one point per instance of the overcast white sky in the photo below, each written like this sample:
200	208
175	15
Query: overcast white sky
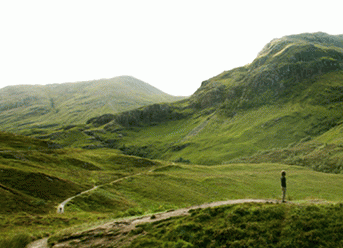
172	45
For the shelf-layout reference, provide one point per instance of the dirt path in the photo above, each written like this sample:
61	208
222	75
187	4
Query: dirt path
114	233
42	243
60	208
117	229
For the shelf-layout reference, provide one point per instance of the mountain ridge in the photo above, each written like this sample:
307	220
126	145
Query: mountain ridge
291	91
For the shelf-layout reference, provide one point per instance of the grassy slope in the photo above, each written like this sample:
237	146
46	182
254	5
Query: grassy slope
179	185
248	225
32	169
41	107
35	176
292	91
249	131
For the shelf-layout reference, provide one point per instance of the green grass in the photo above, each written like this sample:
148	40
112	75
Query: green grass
169	187
20	228
223	139
20	240
247	225
177	186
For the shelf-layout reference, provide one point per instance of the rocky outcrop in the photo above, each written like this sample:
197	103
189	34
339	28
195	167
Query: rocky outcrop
101	120
149	115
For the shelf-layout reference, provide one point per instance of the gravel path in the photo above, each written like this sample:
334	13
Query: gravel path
41	243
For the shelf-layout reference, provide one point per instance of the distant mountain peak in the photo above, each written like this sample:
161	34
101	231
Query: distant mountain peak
31	106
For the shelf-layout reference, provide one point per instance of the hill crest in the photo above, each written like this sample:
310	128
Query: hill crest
30	106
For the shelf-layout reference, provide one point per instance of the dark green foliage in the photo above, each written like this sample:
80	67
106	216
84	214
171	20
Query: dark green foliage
182	160
17	241
144	151
102	120
150	115
250	225
38	185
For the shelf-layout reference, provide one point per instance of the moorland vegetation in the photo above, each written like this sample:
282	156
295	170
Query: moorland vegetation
229	140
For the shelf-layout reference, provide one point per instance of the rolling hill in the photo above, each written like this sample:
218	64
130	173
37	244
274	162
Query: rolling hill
36	175
28	107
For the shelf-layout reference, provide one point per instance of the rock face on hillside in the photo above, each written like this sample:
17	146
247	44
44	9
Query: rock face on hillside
150	115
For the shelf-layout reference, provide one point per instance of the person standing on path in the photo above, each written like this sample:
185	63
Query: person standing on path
283	185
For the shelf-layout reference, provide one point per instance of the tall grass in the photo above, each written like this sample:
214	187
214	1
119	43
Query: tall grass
20	240
247	225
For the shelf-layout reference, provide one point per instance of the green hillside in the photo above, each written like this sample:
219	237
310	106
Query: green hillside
36	175
28	107
290	93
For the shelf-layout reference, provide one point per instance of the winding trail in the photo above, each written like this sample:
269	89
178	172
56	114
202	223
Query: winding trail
60	208
125	225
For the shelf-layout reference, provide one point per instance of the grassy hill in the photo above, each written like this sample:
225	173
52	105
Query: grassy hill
28	107
291	92
37	175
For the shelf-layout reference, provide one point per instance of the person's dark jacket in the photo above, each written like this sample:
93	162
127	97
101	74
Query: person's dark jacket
283	182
